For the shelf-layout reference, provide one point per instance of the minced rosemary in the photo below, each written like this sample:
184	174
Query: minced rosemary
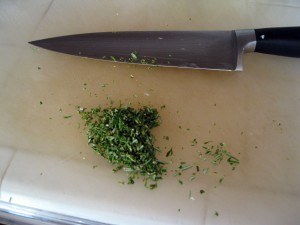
122	136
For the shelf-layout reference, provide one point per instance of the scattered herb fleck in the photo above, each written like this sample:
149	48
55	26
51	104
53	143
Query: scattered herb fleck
202	191
180	182
169	153
67	117
193	177
182	168
205	170
216	213
41	103
221	179
134	56
166	138
194	142
218	153
113	58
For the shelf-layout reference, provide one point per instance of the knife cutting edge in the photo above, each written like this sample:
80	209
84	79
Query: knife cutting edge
213	50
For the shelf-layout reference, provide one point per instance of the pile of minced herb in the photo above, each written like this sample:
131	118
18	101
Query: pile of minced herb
122	136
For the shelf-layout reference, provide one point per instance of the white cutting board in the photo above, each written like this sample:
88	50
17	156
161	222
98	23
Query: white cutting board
45	161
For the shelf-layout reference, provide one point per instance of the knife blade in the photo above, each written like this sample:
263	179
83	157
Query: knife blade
213	50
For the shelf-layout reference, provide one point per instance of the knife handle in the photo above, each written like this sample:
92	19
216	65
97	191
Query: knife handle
284	41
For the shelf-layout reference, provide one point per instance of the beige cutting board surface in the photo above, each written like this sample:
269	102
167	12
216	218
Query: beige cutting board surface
256	112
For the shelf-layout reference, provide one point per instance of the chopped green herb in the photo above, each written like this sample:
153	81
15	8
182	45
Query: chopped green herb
67	117
205	170
94	166
122	136
162	107
41	103
152	186
169	153
221	179
218	153
113	58
182	168
180	181
194	142
39	68
121	182
216	213
202	191
198	169
193	177
166	138
134	56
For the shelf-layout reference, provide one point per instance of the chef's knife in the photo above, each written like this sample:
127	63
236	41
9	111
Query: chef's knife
215	50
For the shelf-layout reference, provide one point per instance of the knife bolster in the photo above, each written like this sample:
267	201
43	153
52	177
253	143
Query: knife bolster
246	42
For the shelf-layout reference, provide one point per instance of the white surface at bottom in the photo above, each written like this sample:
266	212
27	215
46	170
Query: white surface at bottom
72	188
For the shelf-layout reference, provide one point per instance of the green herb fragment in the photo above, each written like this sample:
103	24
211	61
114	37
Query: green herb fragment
134	56
180	182
205	170
202	191
169	153
94	166
41	103
182	168
122	136
166	138
221	179
218	153
197	168
67	117
194	142
113	58
121	182
192	178
162	107
39	68
216	213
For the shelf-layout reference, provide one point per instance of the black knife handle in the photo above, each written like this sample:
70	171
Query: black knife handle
284	41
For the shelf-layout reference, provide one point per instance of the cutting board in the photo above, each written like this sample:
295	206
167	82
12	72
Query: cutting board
47	163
